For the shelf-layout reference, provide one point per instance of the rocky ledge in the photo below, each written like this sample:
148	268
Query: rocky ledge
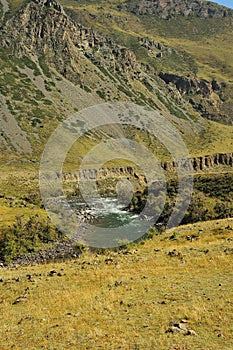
206	97
197	164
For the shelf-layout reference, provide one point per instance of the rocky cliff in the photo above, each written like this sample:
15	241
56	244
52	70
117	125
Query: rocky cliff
130	172
43	31
166	9
41	39
43	28
202	163
206	97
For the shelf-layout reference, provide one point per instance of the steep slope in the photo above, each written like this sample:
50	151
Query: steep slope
57	67
183	45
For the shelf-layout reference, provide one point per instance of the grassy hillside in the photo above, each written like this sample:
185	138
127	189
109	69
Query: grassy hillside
36	94
171	292
182	45
191	36
35	97
194	36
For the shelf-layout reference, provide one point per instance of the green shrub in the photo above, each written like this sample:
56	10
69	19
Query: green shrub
44	67
101	94
26	236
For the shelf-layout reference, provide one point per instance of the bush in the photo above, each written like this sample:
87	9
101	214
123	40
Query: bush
26	236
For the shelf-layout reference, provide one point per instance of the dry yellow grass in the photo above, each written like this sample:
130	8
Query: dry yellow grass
126	300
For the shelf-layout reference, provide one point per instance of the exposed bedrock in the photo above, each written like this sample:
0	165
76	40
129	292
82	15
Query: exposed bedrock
198	164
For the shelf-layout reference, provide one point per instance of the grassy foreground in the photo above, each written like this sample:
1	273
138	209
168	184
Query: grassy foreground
171	292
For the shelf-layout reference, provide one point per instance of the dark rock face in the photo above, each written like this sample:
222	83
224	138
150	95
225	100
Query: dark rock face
205	96
188	85
166	9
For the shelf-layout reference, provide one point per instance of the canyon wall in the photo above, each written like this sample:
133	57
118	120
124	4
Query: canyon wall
198	164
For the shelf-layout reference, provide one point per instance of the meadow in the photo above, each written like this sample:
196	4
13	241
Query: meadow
173	291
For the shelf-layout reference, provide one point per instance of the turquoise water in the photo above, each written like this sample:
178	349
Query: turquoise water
106	212
107	223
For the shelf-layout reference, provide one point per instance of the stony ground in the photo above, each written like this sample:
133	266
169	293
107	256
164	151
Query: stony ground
171	292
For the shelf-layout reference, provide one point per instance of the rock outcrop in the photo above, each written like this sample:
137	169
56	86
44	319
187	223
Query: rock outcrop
197	164
155	49
42	27
189	85
202	163
50	3
206	97
166	9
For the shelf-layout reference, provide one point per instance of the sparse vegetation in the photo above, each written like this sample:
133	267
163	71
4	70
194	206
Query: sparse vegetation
44	67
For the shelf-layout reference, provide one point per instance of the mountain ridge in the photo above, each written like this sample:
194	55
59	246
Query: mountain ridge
167	9
48	46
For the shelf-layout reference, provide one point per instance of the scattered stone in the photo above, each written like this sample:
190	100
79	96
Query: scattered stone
220	335
181	327
175	253
174	329
191	332
192	238
184	321
19	300
228	251
173	237
109	261
118	283
52	273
